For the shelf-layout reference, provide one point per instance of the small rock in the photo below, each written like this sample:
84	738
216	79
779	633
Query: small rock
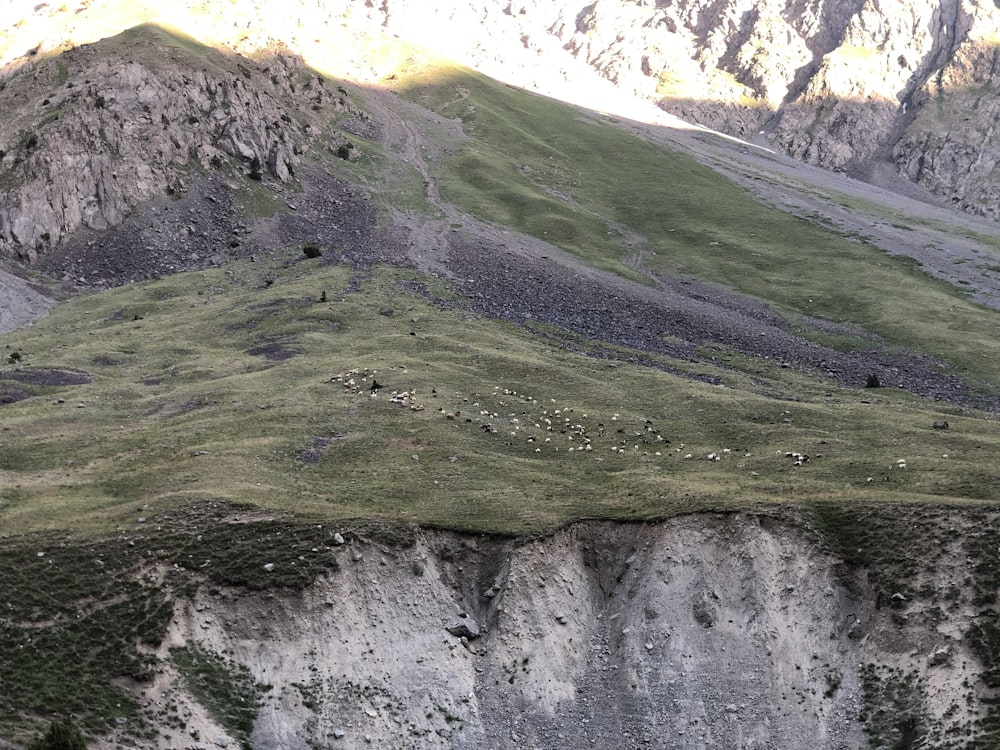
338	733
338	539
268	567
939	656
855	631
940	425
221	741
464	627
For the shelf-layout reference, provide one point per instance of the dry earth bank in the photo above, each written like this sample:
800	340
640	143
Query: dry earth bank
738	631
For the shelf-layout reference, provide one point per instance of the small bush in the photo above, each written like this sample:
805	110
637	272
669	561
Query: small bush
61	735
873	381
256	169
312	251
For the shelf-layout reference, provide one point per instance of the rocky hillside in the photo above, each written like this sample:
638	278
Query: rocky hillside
387	405
903	96
907	90
849	86
104	128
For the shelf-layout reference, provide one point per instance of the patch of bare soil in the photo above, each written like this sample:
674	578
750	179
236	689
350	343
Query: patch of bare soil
274	352
46	377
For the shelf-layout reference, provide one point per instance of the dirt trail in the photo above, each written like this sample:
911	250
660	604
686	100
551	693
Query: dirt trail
429	233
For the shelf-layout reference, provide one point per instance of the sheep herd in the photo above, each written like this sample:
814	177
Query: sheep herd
544	427
540	427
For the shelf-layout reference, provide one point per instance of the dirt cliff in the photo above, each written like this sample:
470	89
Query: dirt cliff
738	631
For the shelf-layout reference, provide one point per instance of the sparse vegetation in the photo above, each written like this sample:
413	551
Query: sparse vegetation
223	687
895	712
62	734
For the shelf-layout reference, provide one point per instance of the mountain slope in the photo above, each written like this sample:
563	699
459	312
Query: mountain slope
286	428
901	96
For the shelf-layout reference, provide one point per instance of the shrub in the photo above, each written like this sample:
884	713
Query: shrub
873	381
312	251
61	735
256	169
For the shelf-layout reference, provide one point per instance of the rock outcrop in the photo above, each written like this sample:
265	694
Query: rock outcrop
102	128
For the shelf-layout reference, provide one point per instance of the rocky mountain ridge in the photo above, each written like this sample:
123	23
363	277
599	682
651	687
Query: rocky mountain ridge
843	85
900	96
109	135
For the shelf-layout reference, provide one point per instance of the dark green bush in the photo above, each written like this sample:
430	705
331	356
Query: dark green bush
256	169
61	735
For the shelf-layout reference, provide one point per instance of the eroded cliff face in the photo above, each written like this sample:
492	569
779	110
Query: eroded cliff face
734	631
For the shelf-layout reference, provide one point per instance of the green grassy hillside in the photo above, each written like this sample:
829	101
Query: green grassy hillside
213	385
553	172
305	396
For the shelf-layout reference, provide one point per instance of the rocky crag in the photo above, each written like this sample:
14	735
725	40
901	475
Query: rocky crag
105	128
854	86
